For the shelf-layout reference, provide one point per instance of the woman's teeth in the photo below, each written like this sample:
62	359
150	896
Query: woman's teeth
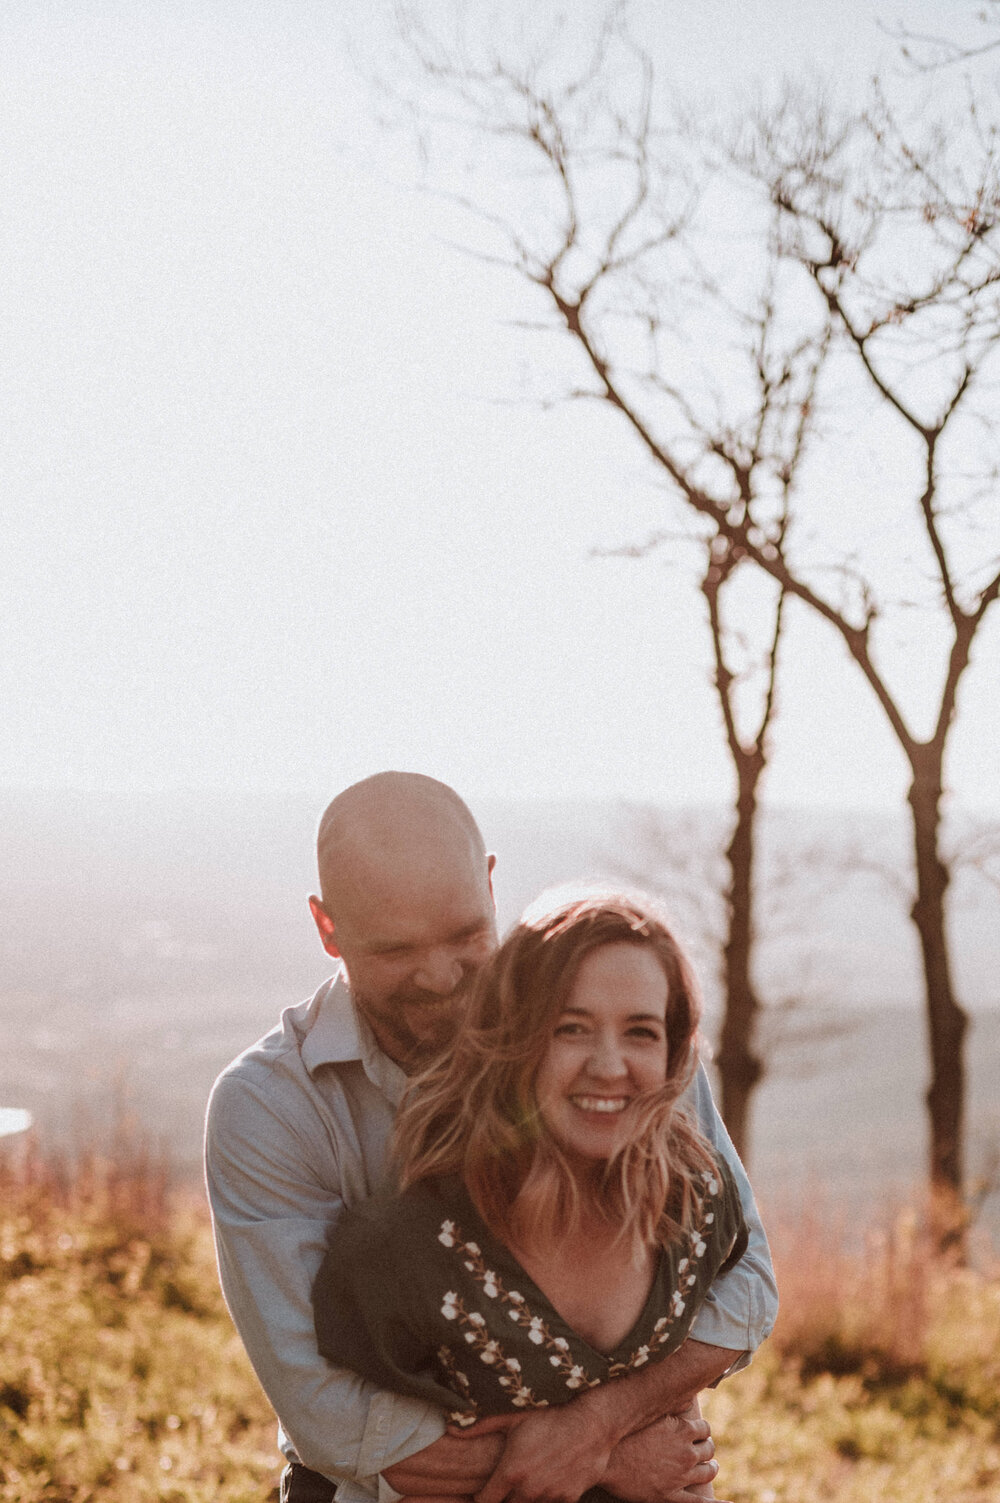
600	1103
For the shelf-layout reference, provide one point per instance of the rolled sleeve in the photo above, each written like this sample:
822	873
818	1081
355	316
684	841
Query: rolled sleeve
271	1213
740	1309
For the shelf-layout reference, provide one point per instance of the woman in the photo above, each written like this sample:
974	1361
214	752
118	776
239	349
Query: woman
560	1219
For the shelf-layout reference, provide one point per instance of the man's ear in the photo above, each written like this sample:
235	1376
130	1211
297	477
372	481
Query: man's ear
324	925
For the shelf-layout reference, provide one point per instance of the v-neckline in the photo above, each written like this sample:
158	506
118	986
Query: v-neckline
625	1347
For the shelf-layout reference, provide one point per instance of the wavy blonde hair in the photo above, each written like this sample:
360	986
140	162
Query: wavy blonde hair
473	1111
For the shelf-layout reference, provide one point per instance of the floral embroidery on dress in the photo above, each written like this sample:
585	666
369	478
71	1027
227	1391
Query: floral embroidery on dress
537	1330
696	1246
461	1385
575	1376
490	1352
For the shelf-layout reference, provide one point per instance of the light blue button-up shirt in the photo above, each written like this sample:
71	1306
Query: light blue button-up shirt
298	1126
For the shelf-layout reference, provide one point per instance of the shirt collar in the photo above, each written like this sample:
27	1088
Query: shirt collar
338	1034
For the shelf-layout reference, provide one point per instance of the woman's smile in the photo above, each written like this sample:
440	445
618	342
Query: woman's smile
604	1104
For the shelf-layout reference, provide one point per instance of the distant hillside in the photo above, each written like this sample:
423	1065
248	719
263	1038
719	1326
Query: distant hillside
148	940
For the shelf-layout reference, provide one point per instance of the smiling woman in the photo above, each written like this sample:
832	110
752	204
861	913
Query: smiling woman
562	1218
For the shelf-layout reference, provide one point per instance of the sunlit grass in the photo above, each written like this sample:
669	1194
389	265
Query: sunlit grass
121	1376
882	1379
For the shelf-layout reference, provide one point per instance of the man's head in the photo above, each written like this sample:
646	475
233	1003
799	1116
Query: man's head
407	905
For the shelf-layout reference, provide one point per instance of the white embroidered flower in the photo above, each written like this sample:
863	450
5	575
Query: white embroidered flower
515	1298
490	1286
561	1343
710	1218
490	1353
476	1318
677	1304
514	1364
712	1183
535	1330
660	1323
470	1337
447	1233
473	1248
522	1398
699	1248
450	1307
576	1378
682	1265
692	1279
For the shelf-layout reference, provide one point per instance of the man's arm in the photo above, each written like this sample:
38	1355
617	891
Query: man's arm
555	1455
654	1465
741	1306
273	1196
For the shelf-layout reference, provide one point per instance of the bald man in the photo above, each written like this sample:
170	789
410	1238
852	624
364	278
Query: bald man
298	1126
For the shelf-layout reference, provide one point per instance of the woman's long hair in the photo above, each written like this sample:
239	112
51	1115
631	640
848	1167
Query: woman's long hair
473	1111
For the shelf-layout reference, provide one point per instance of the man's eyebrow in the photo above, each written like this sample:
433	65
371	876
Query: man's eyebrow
474	926
385	946
382	946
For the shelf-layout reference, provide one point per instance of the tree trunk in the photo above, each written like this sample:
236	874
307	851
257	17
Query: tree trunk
946	1020
740	1067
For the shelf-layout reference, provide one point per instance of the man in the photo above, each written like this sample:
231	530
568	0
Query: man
298	1126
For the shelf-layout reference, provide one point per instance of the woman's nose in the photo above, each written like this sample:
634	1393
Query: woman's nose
607	1062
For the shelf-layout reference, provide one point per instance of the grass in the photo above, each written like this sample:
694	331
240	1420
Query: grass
121	1377
881	1381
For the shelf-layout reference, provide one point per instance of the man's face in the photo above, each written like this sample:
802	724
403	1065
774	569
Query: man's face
412	944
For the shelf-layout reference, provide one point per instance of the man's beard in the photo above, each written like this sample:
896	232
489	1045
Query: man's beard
421	1024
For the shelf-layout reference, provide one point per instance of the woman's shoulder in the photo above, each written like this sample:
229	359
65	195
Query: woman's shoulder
402	1216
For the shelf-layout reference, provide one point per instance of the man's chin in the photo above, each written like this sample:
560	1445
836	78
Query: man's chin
432	1031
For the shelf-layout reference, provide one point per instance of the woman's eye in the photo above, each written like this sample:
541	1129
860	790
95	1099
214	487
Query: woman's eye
564	1030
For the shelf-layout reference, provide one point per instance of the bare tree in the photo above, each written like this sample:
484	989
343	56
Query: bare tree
747	730
866	272
738	1060
921	334
927	52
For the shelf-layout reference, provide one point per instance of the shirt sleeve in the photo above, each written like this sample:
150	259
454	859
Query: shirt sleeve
740	1308
272	1210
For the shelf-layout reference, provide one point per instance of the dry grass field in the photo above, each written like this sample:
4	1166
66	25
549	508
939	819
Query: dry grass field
121	1376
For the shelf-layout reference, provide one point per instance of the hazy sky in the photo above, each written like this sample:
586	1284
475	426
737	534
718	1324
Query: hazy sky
273	515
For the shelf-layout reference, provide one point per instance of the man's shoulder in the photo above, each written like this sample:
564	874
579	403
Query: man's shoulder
328	1006
277	1064
285	1037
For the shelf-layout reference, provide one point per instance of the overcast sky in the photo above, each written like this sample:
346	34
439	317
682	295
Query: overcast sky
274	516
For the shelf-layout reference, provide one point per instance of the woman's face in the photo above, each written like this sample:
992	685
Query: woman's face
607	1046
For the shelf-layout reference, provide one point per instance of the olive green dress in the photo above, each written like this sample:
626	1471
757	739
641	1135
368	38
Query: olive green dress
418	1296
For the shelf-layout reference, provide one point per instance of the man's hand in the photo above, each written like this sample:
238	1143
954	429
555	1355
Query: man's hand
666	1462
456	1465
555	1455
552	1456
